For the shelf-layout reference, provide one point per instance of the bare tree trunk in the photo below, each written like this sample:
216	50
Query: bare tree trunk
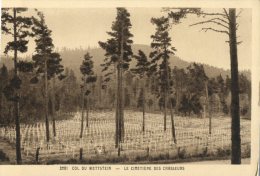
143	105
53	107
46	101
118	117
172	123
207	102
16	102
165	108
1	105
169	100
177	100
82	111
235	114
100	91
122	105
87	107
117	110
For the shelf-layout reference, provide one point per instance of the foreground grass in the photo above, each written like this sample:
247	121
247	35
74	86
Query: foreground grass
166	158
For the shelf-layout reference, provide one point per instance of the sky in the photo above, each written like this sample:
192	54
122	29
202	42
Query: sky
84	27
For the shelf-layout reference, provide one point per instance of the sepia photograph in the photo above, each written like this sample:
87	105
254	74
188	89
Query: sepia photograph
138	88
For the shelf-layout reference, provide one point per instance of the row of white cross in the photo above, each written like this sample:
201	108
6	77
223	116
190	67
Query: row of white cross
101	132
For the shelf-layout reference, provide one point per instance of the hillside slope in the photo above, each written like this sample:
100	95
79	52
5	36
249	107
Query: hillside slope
72	58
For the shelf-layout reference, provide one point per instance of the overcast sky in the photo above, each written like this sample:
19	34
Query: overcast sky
73	28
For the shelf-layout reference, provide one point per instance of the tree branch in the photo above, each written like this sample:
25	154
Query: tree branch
237	25
227	16
212	14
224	21
239	42
215	30
238	14
210	21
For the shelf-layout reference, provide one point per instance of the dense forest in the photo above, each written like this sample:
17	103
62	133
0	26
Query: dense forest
183	84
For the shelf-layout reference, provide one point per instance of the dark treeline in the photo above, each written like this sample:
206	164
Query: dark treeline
32	97
187	97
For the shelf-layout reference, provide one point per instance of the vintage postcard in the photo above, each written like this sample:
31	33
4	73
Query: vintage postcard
129	88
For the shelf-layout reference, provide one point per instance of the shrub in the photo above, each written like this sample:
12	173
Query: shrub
223	152
3	156
182	153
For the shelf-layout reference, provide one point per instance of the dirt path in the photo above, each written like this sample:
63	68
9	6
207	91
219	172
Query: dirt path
8	150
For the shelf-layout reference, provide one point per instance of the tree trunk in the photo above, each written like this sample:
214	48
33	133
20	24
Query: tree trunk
83	107
120	96
122	106
235	114
165	109
119	104
46	101
207	105
82	112
172	123
53	107
100	92
117	110
118	117
143	103
171	112
1	105
16	102
177	100
87	107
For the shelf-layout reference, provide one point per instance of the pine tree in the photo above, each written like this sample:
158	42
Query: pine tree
118	53
47	63
160	56
15	24
86	70
141	69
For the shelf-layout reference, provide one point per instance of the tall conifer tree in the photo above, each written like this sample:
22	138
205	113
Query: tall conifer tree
142	69
47	63
160	55
15	24
118	53
86	70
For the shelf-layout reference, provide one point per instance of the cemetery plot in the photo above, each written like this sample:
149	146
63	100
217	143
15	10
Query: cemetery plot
99	138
